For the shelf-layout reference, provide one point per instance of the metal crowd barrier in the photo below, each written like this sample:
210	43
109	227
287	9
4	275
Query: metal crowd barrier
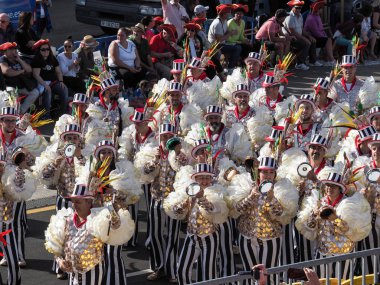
104	43
374	253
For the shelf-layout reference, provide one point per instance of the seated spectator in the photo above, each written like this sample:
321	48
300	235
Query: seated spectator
123	58
236	26
164	50
42	20
158	21
85	54
376	17
25	36
271	33
48	74
218	32
143	49
18	74
318	37
344	33
293	27
200	11
7	33
145	87
175	14
148	23
192	40
69	64
367	35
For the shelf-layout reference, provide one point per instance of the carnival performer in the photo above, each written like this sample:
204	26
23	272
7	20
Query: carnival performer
197	71
132	139
196	200
77	236
374	117
322	100
334	220
177	69
254	65
262	213
119	187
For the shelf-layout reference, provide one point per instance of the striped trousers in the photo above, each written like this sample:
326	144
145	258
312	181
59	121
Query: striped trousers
60	203
287	248
148	201
10	253
163	236
370	242
305	249
134	210
114	265
93	277
256	251
332	268
227	262
19	226
204	247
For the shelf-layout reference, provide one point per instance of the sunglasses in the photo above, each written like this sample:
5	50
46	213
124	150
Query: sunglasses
298	8
68	46
45	49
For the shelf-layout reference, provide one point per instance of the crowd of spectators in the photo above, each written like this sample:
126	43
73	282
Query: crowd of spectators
145	52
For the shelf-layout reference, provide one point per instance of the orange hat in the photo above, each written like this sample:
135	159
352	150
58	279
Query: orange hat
158	19
40	43
293	3
192	26
224	8
317	5
199	21
169	28
240	7
7	45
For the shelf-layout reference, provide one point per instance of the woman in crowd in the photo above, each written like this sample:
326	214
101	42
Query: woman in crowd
25	36
69	64
191	41
148	23
47	72
124	59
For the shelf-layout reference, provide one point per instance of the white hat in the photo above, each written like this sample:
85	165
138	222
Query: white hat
373	112
318	140
200	8
348	60
267	162
306	98
175	86
321	83
70	129
277	131
80	191
202	143
336	179
375	139
203	169
9	112
196	63
241	88
108	82
253	56
213	110
366	133
178	66
167	129
104	144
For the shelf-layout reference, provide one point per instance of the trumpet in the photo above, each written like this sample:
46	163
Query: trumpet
115	218
325	213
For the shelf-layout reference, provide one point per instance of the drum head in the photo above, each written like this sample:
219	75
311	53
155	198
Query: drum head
303	169
193	189
70	150
373	175
265	187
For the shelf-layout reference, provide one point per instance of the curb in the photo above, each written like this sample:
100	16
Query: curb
42	202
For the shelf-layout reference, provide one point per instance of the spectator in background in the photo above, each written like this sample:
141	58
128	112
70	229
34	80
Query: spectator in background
218	32
164	50
42	19
271	33
47	72
190	41
175	14
314	27
7	33
200	11
86	57
236	26
148	23
17	74
25	36
376	16
367	35
69	64
158	21
344	33
143	49
123	58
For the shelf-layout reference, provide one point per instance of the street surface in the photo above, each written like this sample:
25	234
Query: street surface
136	259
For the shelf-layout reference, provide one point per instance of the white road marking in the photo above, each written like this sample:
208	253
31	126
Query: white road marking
137	273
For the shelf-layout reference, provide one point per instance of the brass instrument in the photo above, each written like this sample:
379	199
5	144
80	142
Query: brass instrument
115	218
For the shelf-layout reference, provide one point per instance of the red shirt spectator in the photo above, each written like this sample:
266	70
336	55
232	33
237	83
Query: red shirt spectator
159	45
270	26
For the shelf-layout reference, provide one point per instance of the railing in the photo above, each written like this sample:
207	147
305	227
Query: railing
104	43
375	253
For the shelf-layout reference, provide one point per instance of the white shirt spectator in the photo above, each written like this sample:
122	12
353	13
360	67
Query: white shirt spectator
65	63
293	22
217	27
173	15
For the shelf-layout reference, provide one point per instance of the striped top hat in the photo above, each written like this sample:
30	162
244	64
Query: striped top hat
178	66
366	133
167	129
107	81
196	63
80	191
321	83
138	116
348	60
213	110
336	179
199	144
375	139
175	87
104	144
203	169
253	56
9	112
318	140
267	162
374	111
80	98
306	98
70	129
277	131
241	89
269	80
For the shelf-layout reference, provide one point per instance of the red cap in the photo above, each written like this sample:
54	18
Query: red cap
295	3
169	28
224	8
158	19
7	45
40	43
317	5
240	7
199	21
192	26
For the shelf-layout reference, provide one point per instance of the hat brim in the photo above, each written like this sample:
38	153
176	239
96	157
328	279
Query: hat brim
212	114
309	144
196	148
373	142
99	148
300	101
267	168
248	59
195	67
348	64
109	87
79	197
370	116
264	84
69	133
94	44
175	71
334	183
77	103
9	116
164	133
240	91
202	173
139	121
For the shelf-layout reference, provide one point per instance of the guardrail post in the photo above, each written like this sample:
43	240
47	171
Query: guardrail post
339	272
375	266
327	270
351	272
363	260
